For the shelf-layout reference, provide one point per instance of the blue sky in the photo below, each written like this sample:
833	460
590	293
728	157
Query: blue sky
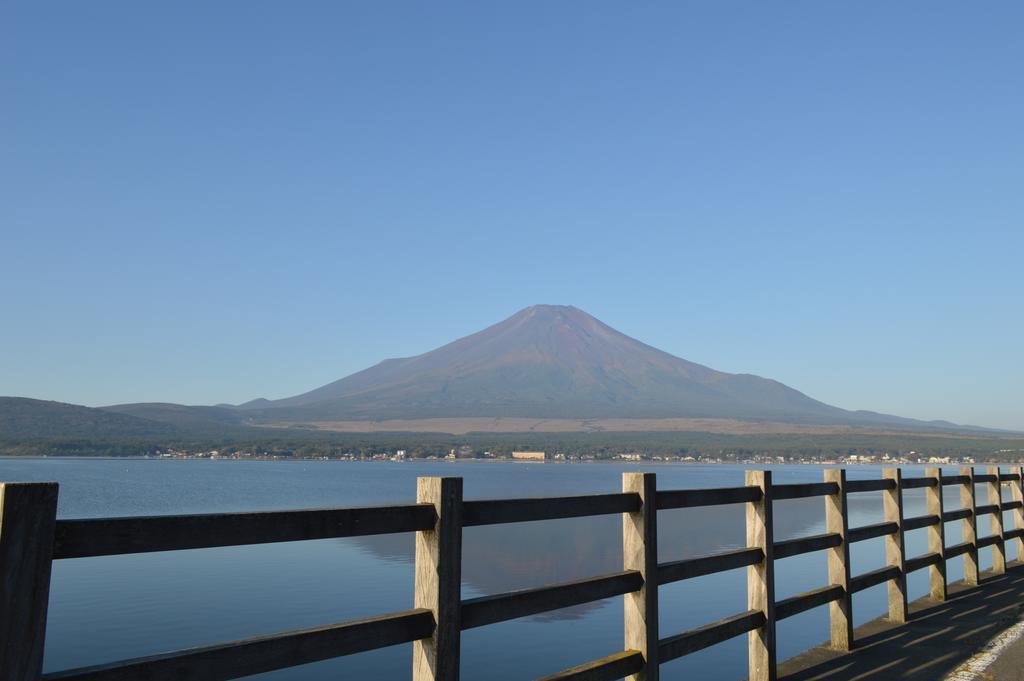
209	202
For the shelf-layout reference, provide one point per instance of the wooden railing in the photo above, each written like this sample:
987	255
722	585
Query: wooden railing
31	537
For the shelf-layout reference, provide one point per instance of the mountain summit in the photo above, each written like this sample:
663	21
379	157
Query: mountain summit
550	361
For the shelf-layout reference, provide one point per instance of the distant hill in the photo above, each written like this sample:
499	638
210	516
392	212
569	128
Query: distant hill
189	418
553	361
22	417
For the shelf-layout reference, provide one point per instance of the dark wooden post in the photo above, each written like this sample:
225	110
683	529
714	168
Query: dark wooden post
970	527
761	579
837	522
1017	490
439	580
894	550
995	497
936	536
640	552
28	514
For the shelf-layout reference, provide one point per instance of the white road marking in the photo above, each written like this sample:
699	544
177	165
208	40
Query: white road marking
972	669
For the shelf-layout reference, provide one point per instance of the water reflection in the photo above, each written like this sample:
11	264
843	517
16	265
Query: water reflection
497	558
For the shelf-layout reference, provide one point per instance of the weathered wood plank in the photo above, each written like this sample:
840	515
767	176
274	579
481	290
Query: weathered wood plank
707	565
761	650
478	612
260	654
817	542
866	532
920	521
27	515
916	563
608	668
438	581
803	490
958	549
937	582
499	511
986	509
1017	492
853	486
805	601
895	555
873	578
837	523
1016	533
714	496
640	553
969	526
957	514
991	540
144	534
995	500
702	637
917	483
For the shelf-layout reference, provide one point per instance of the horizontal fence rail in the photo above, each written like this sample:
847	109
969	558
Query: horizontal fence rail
690	498
710	634
708	565
264	653
478	612
500	511
31	537
871	531
114	536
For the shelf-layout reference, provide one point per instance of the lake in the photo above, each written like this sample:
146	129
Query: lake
108	608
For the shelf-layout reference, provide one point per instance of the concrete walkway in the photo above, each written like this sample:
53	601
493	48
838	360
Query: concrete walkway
978	634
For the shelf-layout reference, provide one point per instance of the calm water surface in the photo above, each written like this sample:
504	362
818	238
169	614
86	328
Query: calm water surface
103	609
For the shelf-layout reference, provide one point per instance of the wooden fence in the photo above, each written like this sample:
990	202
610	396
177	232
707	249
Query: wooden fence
31	537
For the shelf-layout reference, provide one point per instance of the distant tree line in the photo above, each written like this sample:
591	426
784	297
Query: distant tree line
606	445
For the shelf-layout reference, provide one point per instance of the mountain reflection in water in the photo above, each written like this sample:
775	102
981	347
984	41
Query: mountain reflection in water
498	558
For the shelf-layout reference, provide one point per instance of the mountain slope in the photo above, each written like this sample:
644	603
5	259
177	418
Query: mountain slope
551	361
190	418
22	417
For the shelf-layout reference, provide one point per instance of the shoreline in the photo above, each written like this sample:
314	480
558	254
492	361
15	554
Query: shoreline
645	462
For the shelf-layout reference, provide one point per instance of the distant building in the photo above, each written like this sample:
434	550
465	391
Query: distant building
532	456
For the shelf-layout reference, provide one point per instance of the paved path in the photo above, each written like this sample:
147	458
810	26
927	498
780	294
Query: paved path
976	635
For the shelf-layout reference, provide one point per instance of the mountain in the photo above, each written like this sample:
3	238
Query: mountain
547	367
553	361
22	417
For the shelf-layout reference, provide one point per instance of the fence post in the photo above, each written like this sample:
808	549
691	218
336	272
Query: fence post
970	527
439	580
640	552
995	496
840	611
1017	489
761	579
28	513
936	535
894	550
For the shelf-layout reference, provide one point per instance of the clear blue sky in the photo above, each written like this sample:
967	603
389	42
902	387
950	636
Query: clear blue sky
214	201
